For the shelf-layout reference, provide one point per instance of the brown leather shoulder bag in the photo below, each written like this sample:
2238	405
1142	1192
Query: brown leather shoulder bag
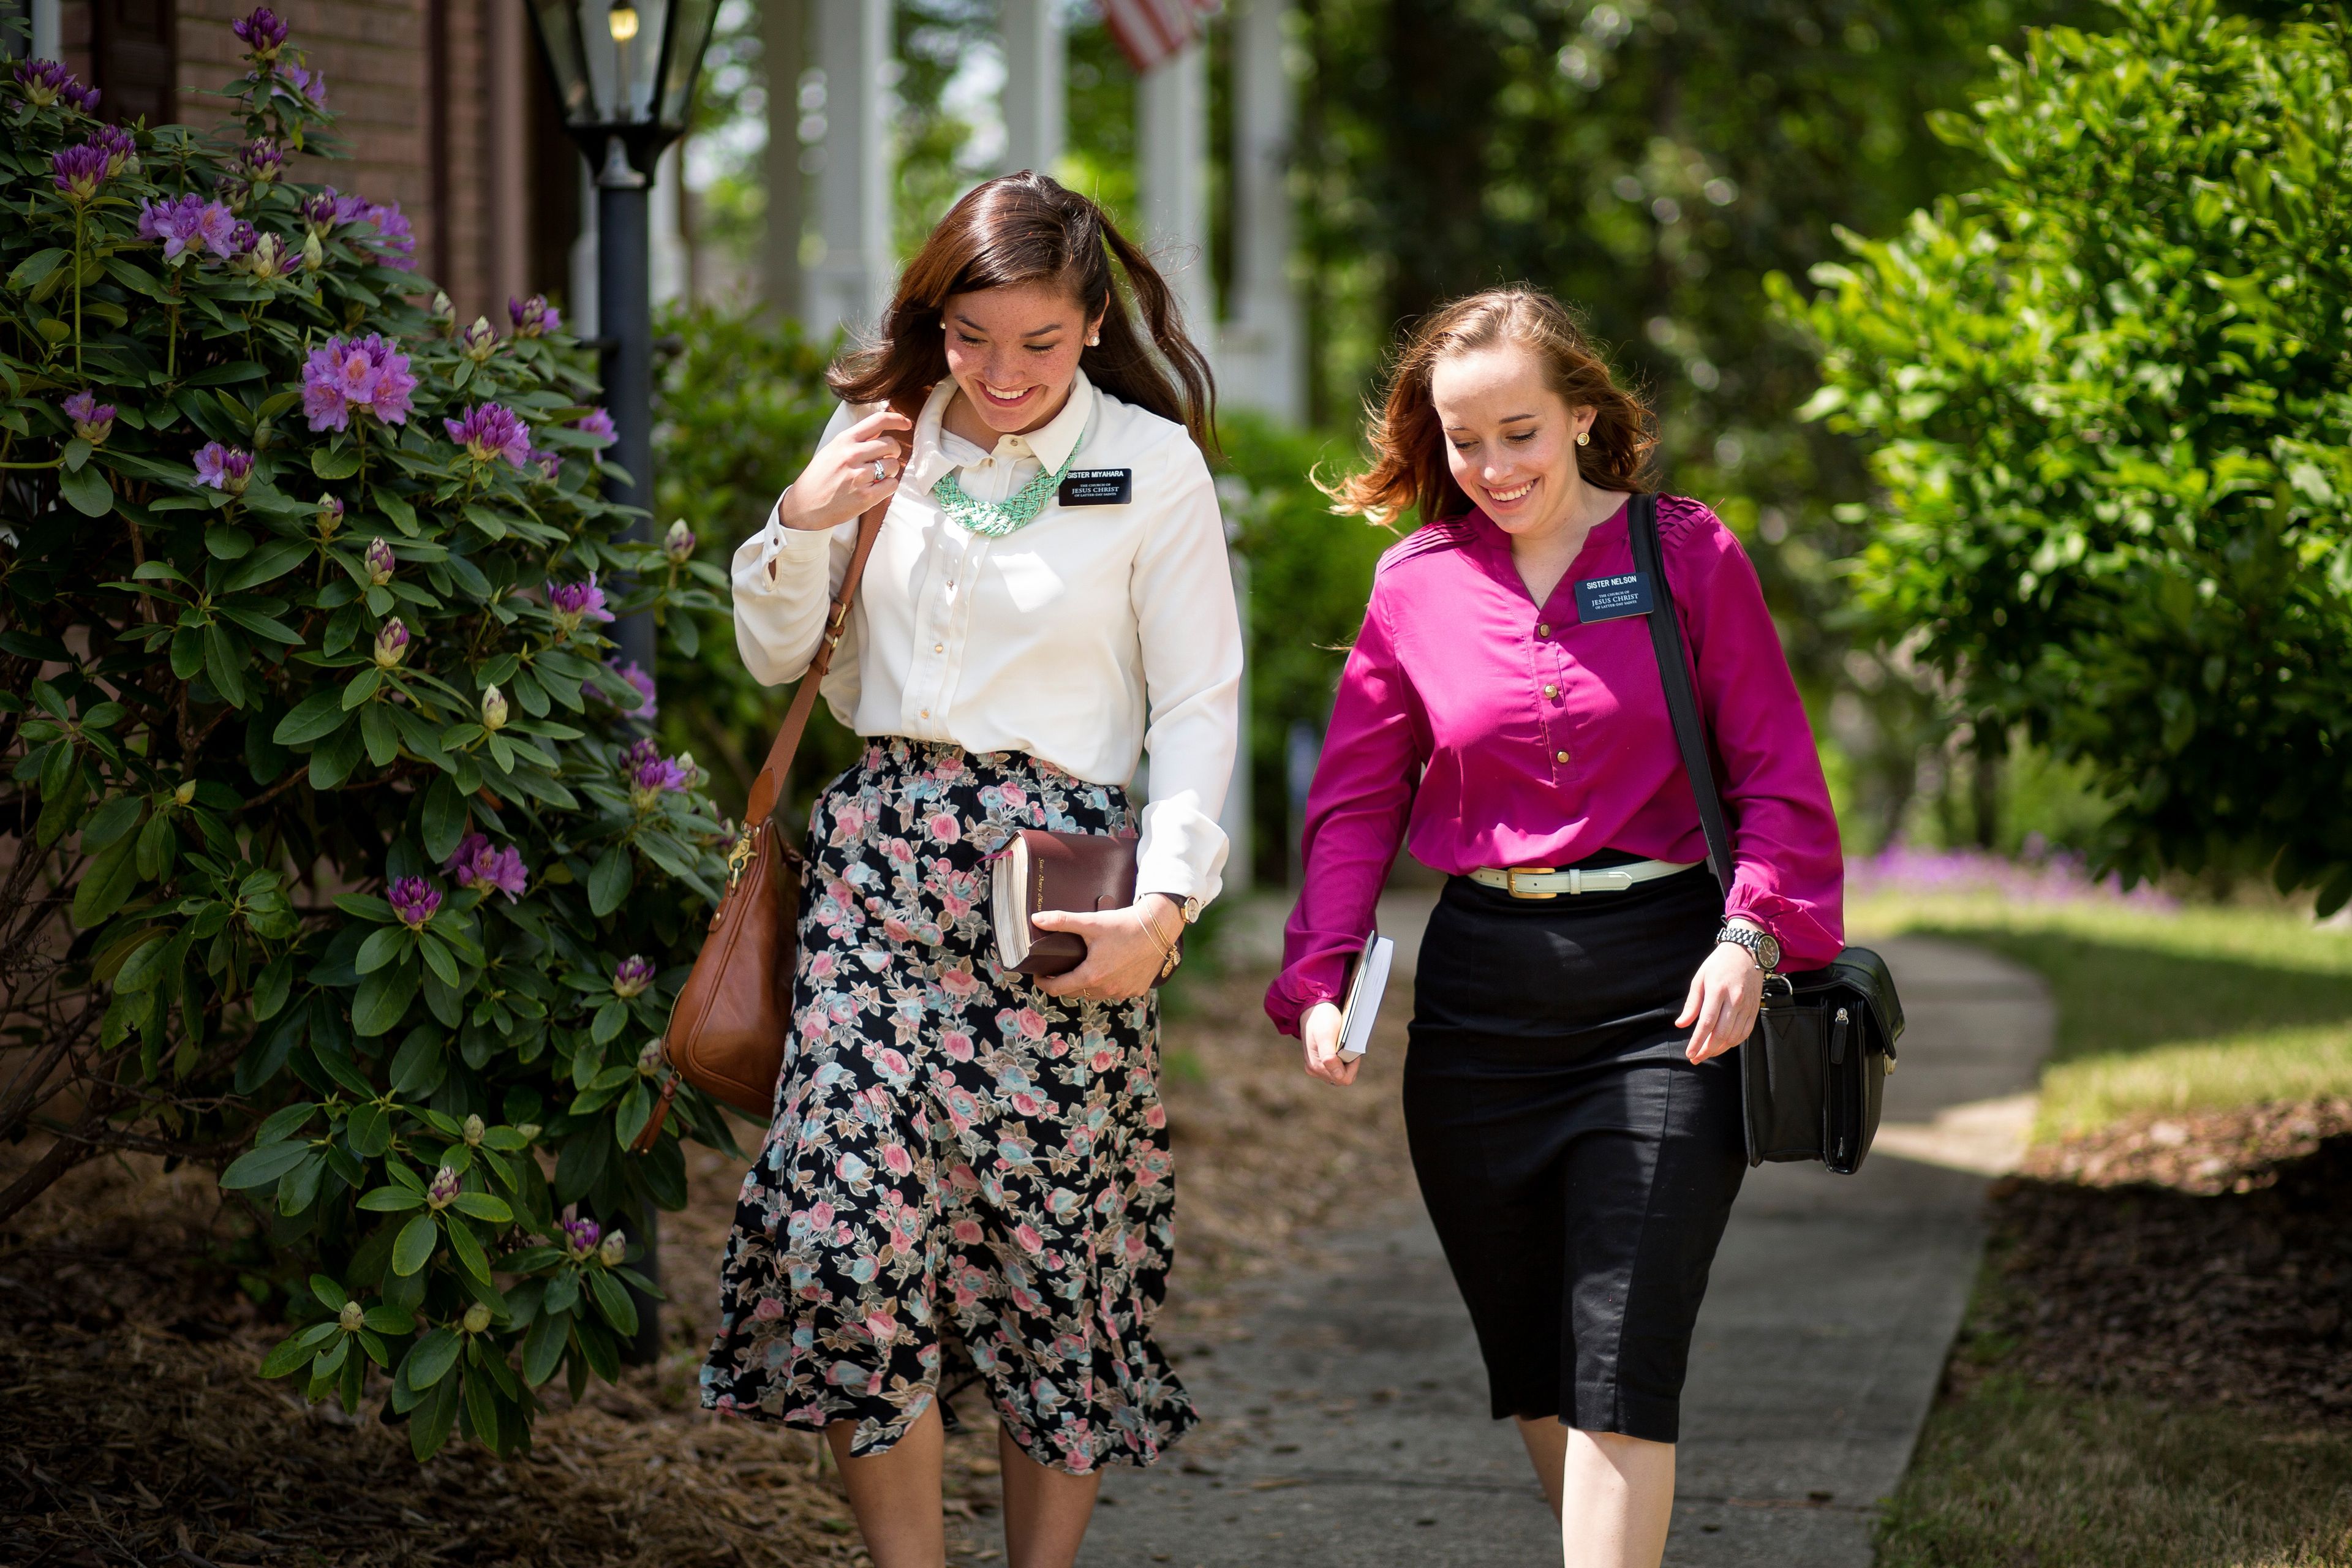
728	1031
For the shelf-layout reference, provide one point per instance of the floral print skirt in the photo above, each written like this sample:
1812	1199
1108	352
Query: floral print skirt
966	1178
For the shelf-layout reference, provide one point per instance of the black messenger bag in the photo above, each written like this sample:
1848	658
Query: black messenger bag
1811	1075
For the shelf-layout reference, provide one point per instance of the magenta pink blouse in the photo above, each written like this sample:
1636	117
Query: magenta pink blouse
1483	731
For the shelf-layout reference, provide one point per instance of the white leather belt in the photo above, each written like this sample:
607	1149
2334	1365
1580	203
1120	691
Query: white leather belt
1543	882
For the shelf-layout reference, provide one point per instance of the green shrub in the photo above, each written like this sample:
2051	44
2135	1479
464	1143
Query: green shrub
334	858
2106	398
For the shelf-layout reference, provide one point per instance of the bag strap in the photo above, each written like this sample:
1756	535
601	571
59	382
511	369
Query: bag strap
769	786
1674	674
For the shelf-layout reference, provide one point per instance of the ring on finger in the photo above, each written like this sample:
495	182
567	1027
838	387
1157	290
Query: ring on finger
881	471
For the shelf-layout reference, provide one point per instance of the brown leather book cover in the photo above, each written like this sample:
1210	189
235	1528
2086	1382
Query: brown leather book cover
1081	872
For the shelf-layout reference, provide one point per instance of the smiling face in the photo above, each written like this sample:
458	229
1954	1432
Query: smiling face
1510	441
1014	351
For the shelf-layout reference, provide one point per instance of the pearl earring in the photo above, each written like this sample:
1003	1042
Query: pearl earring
1584	437
1095	341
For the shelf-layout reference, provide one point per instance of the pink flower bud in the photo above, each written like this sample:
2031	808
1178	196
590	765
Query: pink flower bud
678	542
474	1130
444	1189
632	977
380	561
391	643
494	708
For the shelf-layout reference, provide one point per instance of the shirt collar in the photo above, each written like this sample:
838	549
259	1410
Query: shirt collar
1051	445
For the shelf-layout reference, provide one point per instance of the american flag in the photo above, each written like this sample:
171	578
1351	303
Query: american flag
1151	31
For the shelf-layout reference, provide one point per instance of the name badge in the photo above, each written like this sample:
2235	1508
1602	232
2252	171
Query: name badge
1612	598
1098	487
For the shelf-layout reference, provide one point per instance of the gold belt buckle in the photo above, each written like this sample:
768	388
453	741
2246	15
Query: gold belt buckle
1511	880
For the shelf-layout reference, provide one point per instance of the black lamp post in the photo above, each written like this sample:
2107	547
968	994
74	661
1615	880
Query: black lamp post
624	73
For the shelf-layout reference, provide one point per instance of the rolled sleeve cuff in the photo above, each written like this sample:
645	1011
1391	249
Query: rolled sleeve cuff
1181	852
766	563
1293	994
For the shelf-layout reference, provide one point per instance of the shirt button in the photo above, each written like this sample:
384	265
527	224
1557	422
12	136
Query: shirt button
1543	628
1552	692
1556	756
939	647
927	713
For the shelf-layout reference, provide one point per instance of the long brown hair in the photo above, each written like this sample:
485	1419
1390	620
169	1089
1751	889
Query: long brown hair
1029	229
1409	445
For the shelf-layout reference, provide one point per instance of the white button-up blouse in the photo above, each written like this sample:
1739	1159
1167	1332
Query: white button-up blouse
1087	637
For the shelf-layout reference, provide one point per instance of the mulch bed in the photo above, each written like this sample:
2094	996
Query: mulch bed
2202	1258
133	1429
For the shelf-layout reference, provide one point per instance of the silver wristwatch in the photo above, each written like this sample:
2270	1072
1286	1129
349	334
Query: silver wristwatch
1761	945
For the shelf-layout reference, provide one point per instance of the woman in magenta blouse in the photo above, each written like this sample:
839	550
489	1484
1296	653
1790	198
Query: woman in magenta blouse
1574	1127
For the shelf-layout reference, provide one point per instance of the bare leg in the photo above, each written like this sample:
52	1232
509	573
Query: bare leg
1618	1498
1546	1442
1045	1509
896	1496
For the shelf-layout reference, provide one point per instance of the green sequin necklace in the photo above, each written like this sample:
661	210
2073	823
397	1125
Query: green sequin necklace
995	519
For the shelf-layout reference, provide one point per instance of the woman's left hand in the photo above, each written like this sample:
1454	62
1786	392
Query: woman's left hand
1723	997
1123	958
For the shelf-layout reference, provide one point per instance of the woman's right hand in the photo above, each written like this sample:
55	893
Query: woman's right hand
838	483
1319	1032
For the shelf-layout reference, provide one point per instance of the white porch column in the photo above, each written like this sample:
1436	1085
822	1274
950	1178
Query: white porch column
1260	358
48	31
850	283
784	47
1035	63
1173	171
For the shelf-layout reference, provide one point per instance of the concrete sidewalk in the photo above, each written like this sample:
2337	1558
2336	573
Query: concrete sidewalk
1350	1426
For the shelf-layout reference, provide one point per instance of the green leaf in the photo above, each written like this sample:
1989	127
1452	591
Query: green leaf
111	821
438	959
467	1248
483	1207
414	1248
294	1350
107	882
224	664
420	1064
391	1200
362	687
609	880
385	944
609	1020
428	1425
542	1347
262	1166
383	736
87	491
369	1129
429	1360
267	564
284	1124
275	985
445	819
329	1291
315	717
36	267
330	464
614	1302
383	998
386	1319
229	374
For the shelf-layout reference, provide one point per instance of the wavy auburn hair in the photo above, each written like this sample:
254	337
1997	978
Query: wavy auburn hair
1028	228
1409	468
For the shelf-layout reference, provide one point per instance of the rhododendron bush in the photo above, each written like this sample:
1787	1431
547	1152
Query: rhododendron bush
335	851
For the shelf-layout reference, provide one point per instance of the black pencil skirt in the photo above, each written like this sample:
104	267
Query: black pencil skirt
1578	1169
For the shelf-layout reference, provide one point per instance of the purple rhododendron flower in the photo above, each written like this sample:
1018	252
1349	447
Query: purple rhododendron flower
356	376
393	233
490	432
390	643
580	1235
631	978
330	207
330	515
243	238
308	85
534	316
80	170
650	774
477	863
189	223
224	468
678	542
378	560
270	257
478	341
261	33
46	82
121	151
443	1189
414	901
260	160
638	681
597	422
573	603
93	421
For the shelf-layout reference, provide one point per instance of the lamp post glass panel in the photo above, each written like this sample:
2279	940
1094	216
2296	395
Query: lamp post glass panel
624	73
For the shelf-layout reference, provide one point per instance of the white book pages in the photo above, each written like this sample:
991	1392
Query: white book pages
1010	877
1365	988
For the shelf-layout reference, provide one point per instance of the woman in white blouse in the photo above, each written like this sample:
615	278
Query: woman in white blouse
968	1176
